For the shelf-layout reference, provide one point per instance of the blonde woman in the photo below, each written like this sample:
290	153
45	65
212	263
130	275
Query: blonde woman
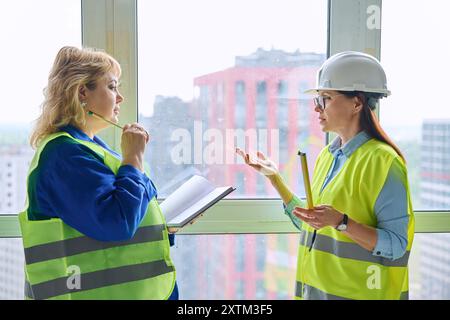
92	228
355	242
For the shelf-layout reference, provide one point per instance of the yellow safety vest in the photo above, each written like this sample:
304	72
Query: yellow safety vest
337	267
62	263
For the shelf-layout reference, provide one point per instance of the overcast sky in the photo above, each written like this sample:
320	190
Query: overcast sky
32	32
181	39
415	52
204	36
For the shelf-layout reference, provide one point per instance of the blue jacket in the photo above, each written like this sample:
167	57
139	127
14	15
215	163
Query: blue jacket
73	184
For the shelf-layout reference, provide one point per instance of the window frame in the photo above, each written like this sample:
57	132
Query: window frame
112	26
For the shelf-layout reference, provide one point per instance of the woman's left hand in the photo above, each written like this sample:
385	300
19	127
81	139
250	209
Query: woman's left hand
319	217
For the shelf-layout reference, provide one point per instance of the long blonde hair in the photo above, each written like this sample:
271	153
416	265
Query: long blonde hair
73	67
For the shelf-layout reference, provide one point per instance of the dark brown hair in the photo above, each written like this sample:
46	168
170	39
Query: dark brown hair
369	121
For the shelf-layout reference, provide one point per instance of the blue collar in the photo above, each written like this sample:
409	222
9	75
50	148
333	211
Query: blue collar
79	134
351	145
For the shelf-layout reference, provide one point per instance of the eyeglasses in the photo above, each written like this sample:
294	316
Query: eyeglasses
319	101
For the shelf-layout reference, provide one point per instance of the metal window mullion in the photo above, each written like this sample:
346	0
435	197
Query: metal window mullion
348	30
111	25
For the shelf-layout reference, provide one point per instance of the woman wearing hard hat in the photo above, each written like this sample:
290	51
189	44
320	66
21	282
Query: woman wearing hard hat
363	214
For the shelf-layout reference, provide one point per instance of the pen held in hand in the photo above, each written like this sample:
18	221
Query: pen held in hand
92	113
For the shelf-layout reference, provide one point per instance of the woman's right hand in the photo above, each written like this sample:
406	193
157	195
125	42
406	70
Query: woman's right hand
134	139
261	163
268	168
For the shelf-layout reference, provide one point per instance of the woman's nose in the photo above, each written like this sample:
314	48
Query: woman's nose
119	98
318	109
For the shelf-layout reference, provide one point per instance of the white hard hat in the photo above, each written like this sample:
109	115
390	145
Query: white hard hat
351	71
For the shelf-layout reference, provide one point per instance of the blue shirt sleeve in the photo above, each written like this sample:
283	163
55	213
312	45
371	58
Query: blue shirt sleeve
391	209
76	186
295	202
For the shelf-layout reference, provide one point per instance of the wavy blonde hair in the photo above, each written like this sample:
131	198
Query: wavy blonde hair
73	67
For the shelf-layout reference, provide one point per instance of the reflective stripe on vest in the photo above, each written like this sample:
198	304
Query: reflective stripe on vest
337	267
139	268
74	246
349	250
306	292
310	293
98	279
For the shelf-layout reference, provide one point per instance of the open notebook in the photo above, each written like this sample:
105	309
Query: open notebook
191	199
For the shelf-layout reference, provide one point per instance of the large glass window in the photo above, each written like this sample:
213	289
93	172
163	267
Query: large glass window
228	74
12	276
417	117
236	266
32	32
429	267
214	75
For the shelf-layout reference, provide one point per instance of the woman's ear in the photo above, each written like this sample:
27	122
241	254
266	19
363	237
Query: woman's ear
82	92
359	103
